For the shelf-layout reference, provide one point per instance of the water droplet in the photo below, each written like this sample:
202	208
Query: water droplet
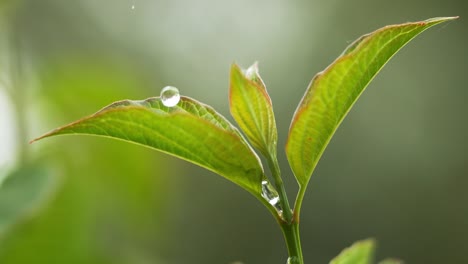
271	195
293	260
133	7
170	96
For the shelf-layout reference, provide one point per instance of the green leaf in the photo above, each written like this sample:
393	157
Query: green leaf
252	109
191	131
22	193
360	252
332	93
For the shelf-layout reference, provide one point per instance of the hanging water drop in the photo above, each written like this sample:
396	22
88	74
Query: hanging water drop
271	195
293	260
133	7
170	96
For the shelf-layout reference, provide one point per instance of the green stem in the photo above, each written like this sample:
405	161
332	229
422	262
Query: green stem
275	171
299	199
288	222
293	242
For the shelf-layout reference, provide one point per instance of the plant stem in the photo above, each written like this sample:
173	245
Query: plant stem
299	199
293	242
288	222
275	171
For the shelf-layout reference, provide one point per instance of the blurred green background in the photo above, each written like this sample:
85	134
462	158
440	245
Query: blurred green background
396	170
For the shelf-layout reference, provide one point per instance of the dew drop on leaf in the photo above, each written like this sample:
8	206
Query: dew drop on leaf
292	260
170	96
271	195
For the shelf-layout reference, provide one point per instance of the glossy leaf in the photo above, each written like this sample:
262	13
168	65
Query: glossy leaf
191	131
360	252
22	193
332	92
252	109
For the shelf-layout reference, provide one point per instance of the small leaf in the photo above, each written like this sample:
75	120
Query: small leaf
190	130
252	109
332	93
360	252
22	193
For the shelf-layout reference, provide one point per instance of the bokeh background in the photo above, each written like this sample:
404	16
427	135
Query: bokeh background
396	170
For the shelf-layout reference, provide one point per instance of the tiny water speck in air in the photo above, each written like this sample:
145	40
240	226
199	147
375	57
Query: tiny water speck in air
170	96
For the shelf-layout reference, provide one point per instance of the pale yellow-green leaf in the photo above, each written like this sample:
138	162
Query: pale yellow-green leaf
361	252
252	109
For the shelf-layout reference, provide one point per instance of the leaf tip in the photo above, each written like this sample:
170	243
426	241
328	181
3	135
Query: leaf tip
251	73
41	137
235	66
440	19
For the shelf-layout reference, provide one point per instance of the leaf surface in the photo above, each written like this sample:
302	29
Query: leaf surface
360	252
252	109
190	130
332	93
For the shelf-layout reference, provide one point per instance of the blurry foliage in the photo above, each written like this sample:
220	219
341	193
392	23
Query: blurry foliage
402	184
23	192
110	214
103	215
